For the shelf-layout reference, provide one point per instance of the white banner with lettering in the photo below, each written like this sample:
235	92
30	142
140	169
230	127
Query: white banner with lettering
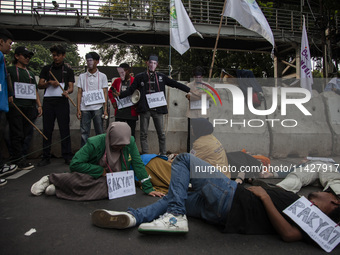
156	99
54	91
93	97
124	102
25	90
315	223
120	184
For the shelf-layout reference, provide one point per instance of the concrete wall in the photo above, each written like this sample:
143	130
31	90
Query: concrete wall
316	135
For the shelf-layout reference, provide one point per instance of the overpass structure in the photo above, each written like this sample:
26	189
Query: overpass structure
146	22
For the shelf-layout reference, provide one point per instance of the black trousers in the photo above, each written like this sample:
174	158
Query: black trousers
20	128
57	109
130	122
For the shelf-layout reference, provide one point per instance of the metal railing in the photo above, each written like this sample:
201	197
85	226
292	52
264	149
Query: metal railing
203	12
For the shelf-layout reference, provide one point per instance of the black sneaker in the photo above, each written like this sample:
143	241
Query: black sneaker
44	162
3	182
23	165
8	169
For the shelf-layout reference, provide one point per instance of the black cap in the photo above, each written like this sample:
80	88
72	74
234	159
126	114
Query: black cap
124	65
93	55
153	57
23	51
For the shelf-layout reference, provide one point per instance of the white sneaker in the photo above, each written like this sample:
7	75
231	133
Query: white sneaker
3	182
50	190
167	223
7	169
40	186
113	219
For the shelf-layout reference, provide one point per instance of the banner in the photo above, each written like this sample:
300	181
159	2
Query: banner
250	16
306	64
180	27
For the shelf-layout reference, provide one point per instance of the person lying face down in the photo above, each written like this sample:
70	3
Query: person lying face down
219	201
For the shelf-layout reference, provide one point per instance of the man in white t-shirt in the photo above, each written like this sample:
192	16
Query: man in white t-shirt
91	98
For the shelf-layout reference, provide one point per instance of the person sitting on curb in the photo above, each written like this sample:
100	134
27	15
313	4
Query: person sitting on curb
218	200
111	152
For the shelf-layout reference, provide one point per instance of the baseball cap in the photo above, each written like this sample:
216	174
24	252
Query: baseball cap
23	51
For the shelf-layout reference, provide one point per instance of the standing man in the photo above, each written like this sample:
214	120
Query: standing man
6	39
152	103
91	97
125	114
26	98
56	105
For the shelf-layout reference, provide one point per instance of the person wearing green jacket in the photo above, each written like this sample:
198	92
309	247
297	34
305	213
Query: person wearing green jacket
111	152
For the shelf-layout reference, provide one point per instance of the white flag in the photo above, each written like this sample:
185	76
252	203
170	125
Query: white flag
180	27
250	16
306	63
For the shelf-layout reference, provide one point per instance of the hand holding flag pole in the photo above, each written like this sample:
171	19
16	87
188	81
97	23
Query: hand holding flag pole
68	96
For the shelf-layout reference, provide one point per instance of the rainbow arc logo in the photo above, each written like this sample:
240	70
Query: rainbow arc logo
210	94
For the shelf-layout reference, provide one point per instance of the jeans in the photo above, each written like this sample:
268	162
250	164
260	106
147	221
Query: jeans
85	124
3	121
144	126
211	198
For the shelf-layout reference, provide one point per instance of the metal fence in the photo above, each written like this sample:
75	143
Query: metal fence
204	12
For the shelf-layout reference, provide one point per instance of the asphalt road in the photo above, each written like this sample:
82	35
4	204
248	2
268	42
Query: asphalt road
64	227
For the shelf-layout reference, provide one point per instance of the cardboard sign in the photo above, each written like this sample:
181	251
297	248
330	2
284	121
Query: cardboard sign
124	102
93	97
156	99
25	90
197	105
120	184
54	91
315	223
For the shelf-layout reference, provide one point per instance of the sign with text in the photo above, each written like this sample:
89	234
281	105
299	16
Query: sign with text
315	223
25	90
124	102
120	184
197	105
52	91
156	99
94	97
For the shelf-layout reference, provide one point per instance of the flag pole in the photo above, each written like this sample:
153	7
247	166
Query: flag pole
217	38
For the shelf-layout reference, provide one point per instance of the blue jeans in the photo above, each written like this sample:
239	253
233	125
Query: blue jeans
210	199
85	124
144	127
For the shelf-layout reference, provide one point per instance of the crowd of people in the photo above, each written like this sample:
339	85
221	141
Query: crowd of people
214	197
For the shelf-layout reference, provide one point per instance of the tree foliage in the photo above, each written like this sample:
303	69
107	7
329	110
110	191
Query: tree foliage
42	55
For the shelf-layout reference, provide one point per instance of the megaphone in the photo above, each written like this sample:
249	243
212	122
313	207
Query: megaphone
135	96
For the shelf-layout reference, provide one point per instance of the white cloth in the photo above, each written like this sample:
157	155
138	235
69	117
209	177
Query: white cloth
88	82
180	27
326	173
250	16
306	62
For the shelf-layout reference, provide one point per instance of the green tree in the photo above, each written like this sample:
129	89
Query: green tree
42	55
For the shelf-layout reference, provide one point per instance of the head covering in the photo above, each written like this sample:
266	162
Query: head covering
201	127
93	55
124	65
23	51
153	57
118	133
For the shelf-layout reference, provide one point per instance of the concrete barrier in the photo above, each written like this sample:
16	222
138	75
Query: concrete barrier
316	135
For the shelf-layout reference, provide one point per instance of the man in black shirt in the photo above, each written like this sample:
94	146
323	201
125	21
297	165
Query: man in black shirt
151	83
56	105
218	200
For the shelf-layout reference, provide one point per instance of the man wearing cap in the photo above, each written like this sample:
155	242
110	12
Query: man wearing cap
26	98
125	114
152	103
56	105
91	97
